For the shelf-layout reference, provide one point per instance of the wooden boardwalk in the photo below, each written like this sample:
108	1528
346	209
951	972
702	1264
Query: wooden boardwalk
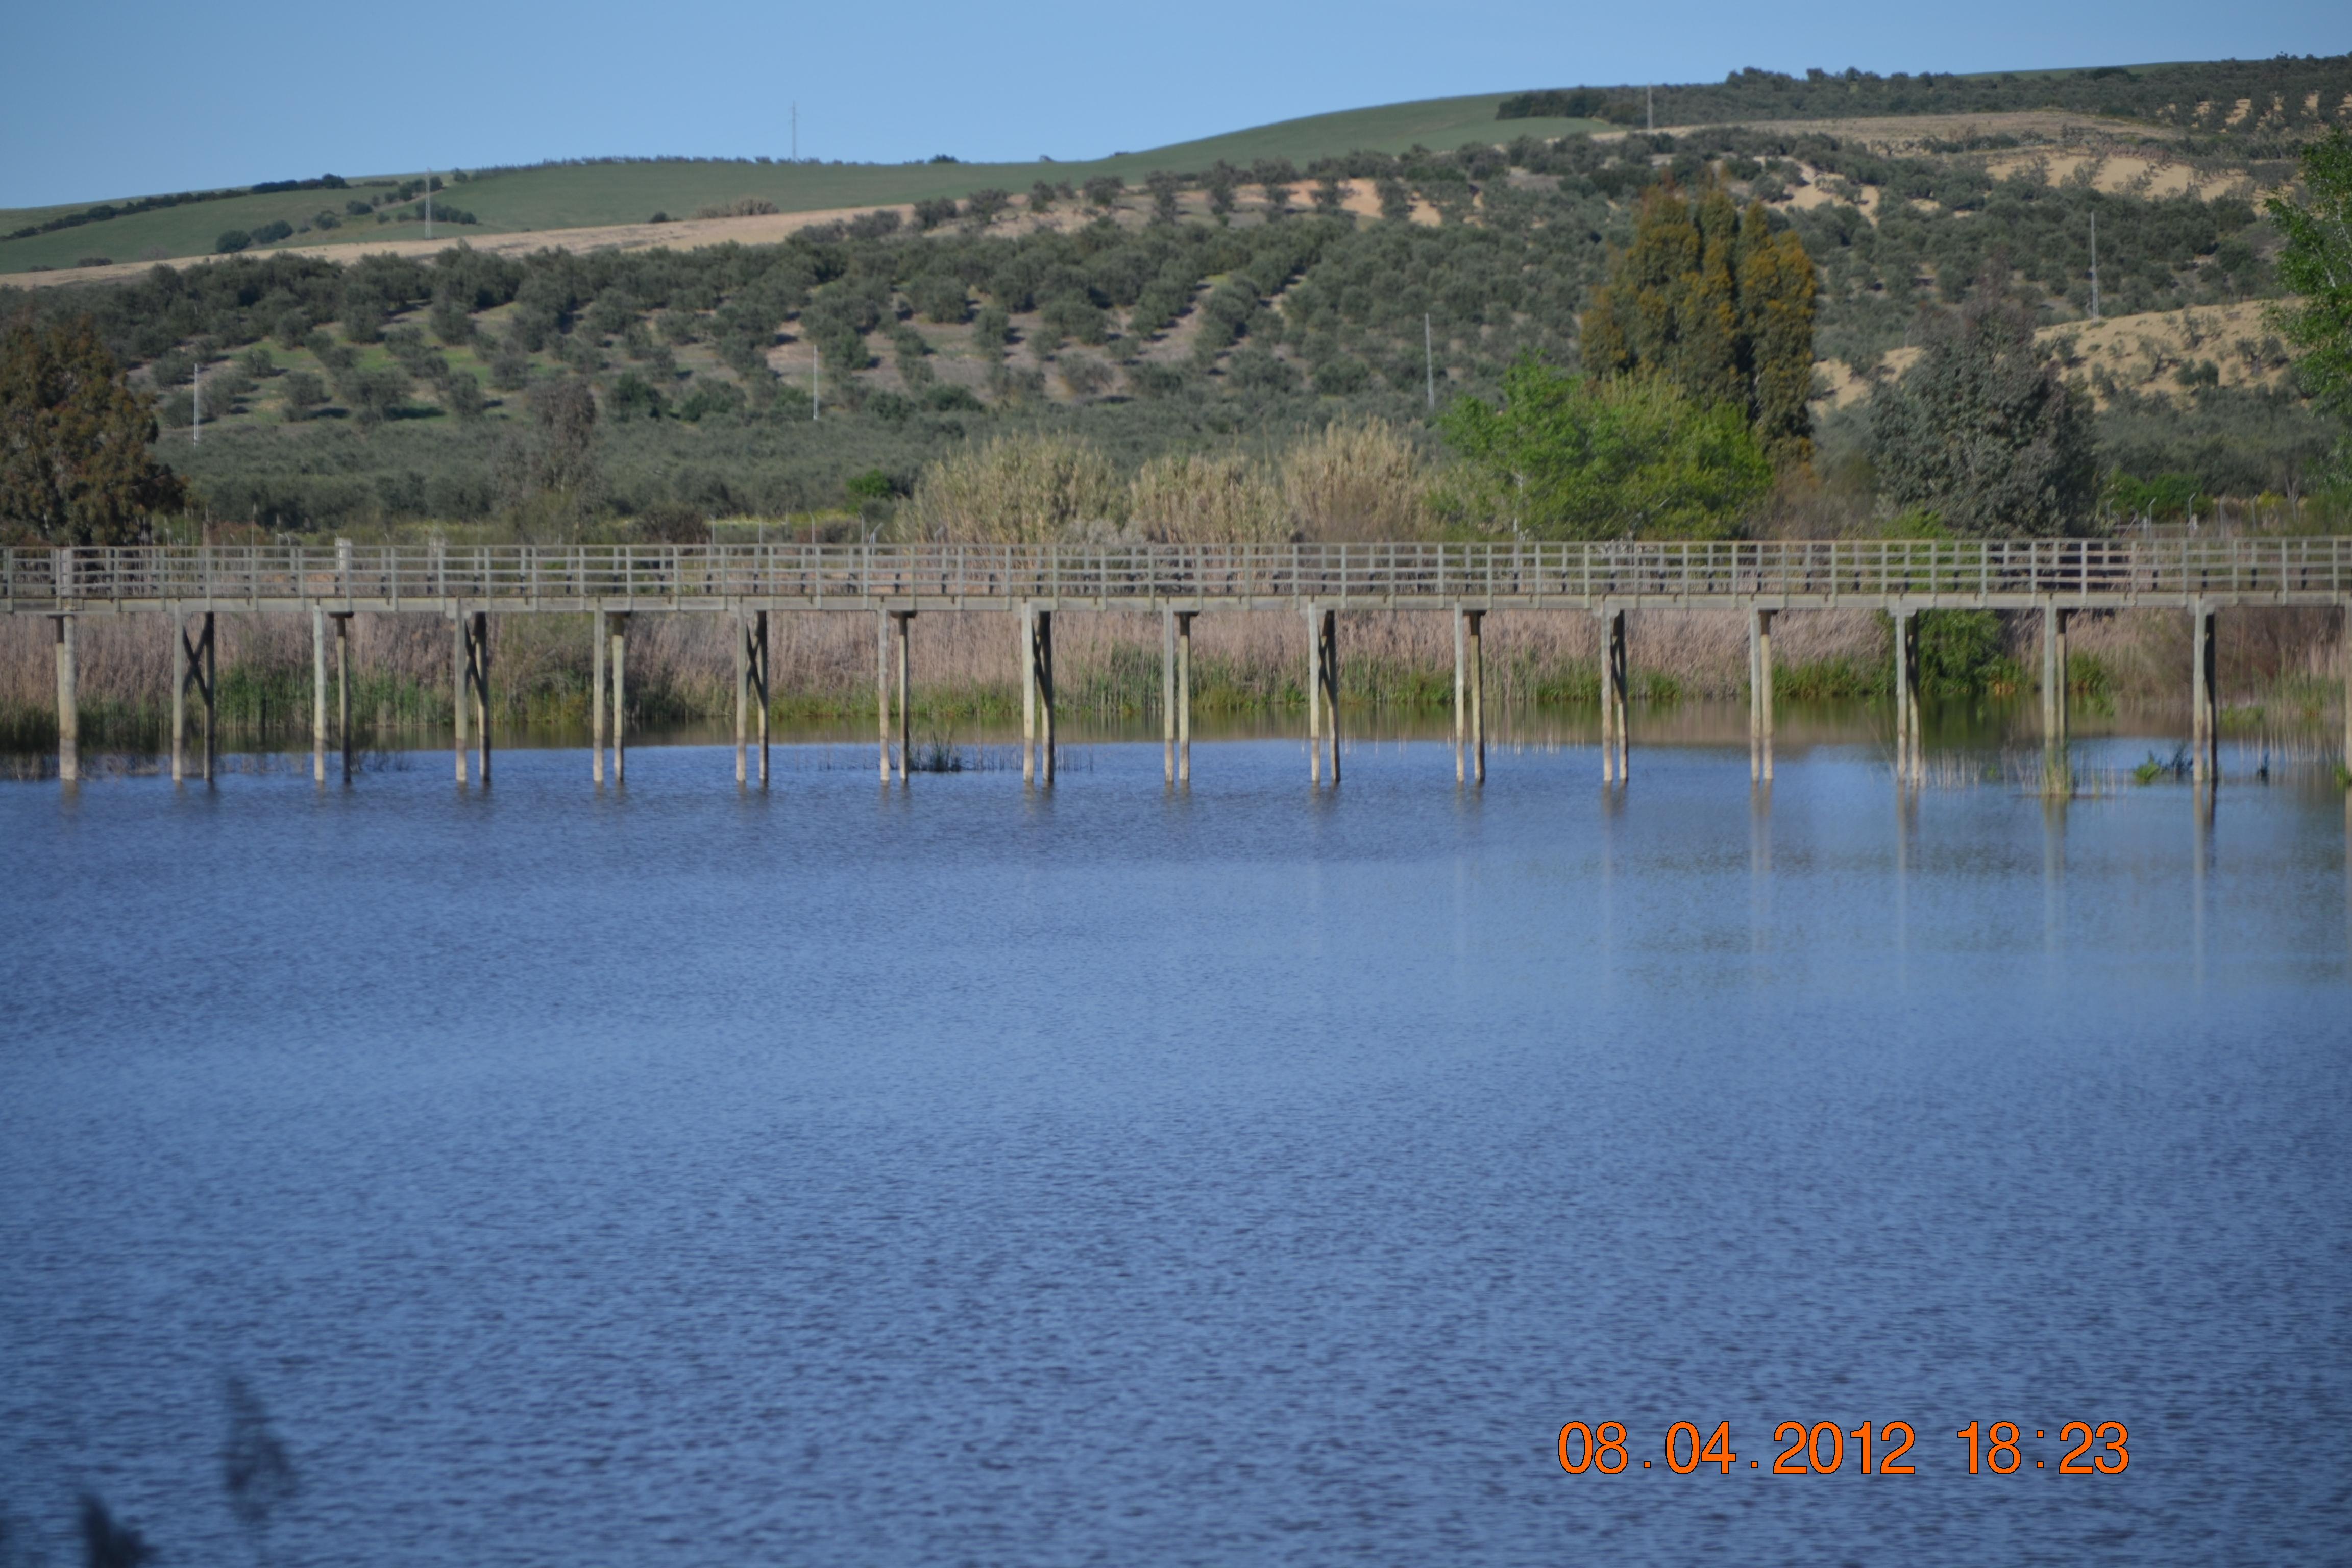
507	579
469	585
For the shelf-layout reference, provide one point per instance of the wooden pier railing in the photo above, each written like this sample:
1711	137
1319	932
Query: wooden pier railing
1774	574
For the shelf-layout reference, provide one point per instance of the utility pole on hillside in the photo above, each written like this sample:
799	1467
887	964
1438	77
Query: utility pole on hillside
816	382
1650	108
428	204
1428	358
2094	264
196	393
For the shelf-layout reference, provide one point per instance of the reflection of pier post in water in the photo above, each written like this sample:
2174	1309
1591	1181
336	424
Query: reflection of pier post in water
1759	866
2054	876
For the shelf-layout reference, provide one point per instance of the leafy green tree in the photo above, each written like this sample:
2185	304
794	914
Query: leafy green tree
510	365
633	398
990	329
461	394
1104	190
556	462
373	394
76	465
2315	264
1073	315
939	297
1222	180
301	392
1718	304
1632	456
1041	197
1982	432
1166	189
1275	178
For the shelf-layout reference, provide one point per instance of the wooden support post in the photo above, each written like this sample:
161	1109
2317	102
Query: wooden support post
1327	638
1911	701
1314	694
460	669
2205	718
318	696
1764	668
1755	699
598	637
743	700
906	620
1184	697
68	704
1044	677
192	665
760	685
620	624
1608	711
1474	632
1027	625
1903	713
181	663
2344	653
207	674
2066	695
2057	771
1461	694
1616	760
1168	697
478	649
2050	682
344	688
882	688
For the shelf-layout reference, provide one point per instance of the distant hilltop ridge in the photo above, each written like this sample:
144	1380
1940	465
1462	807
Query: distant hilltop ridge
2245	111
2218	95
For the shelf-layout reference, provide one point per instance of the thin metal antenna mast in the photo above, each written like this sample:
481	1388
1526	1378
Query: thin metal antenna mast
816	381
428	204
1650	107
1428	358
197	421
796	131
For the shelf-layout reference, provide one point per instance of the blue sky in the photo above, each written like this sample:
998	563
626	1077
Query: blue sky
104	99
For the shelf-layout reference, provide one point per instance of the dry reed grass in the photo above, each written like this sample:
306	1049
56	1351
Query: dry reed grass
1352	480
1190	499
1016	489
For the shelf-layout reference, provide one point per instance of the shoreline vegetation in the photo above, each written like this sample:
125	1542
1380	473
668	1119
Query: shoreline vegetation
2277	667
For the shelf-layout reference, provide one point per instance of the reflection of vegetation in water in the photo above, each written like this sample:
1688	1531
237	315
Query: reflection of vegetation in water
936	754
257	1473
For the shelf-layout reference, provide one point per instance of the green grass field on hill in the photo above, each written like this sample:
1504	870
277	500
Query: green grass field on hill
579	196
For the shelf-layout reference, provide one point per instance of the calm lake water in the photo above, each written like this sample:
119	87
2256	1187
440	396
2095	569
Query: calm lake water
954	1176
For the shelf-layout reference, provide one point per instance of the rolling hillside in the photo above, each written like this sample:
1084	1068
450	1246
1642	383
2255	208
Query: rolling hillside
2255	108
598	193
1231	305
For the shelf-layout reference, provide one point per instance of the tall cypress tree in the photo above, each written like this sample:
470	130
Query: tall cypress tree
1718	304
